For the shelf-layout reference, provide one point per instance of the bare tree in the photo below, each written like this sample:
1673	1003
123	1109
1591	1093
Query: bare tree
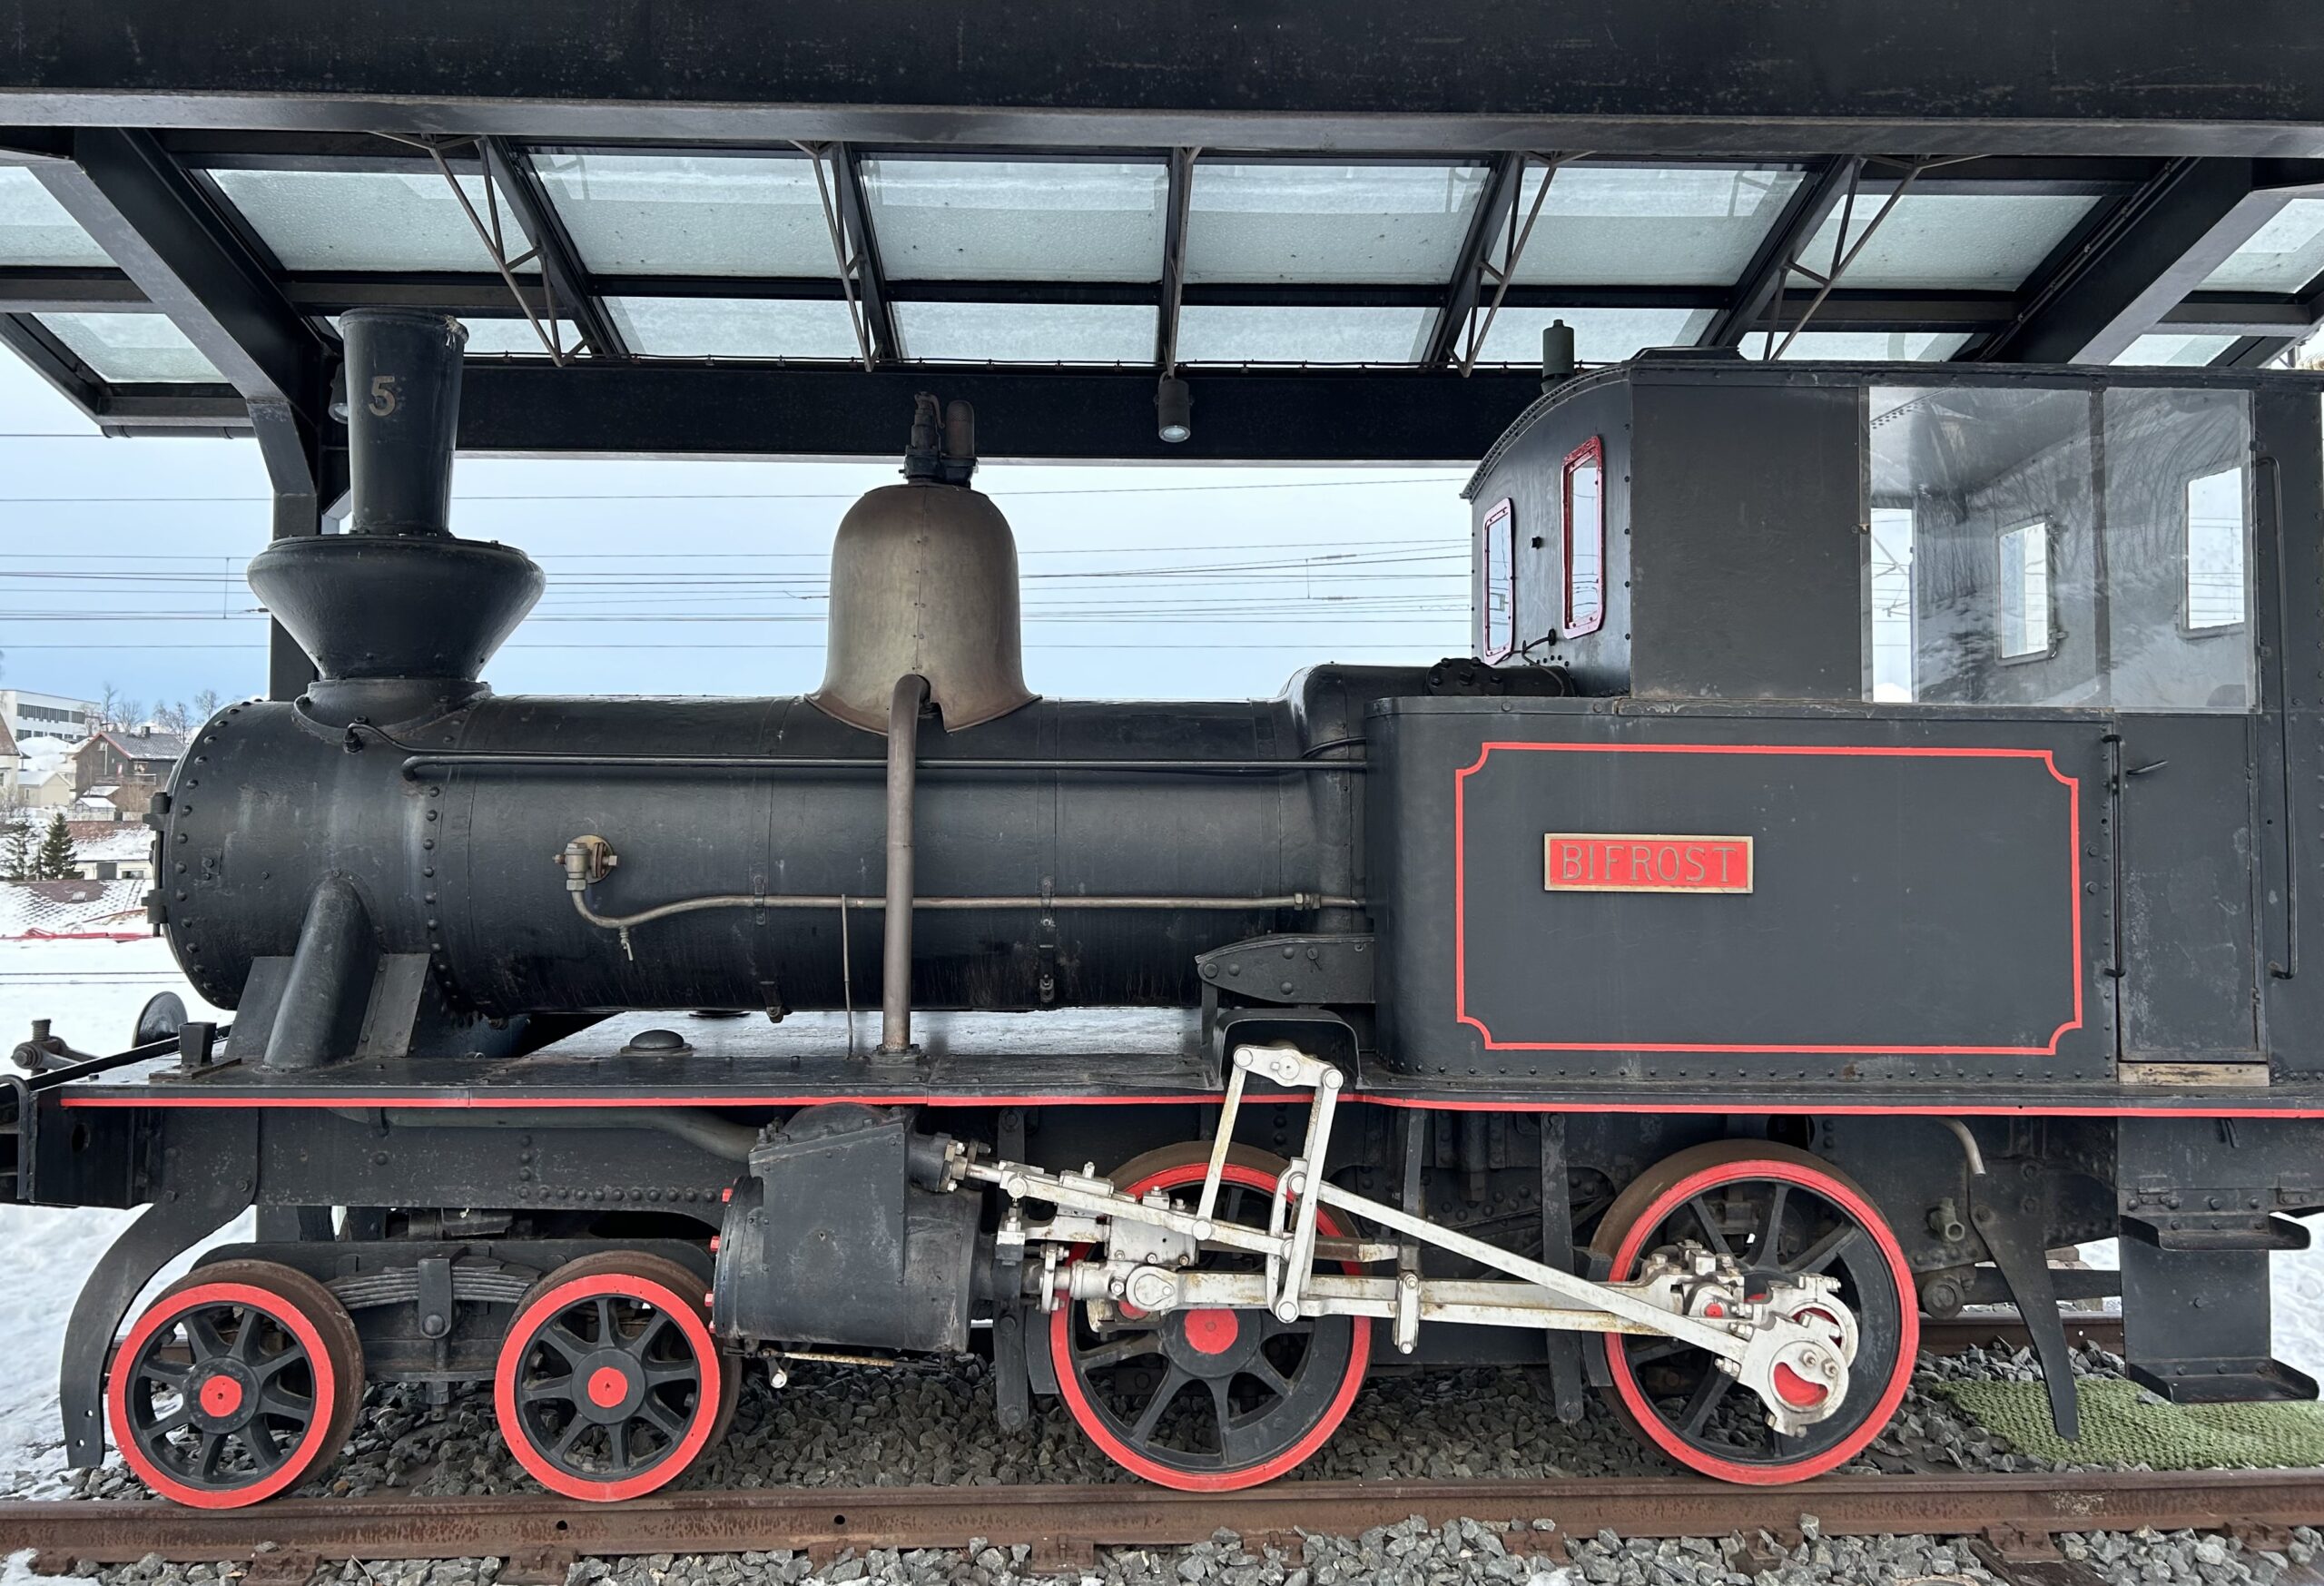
109	703
206	704
173	716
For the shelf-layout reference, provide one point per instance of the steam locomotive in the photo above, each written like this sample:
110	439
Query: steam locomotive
1865	851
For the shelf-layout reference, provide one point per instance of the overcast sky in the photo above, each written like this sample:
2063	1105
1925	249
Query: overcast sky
707	577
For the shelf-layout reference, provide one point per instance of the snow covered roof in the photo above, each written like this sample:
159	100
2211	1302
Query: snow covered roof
8	741
72	909
45	757
143	745
110	840
103	790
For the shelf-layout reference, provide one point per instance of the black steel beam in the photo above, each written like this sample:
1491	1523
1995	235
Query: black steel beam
1504	182
1763	278
509	171
1291	415
55	291
2137	266
863	245
49	360
2245	314
147	213
2136	76
1178	202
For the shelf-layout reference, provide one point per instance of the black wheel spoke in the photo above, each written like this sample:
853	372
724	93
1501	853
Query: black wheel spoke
1659	1349
1151	1417
1711	1235
259	1442
167	1374
202	1331
669	1373
1222	1412
1823	1251
274	1399
181	1417
1115	1351
573	1431
565	1341
654	1329
1707	1394
273	1365
605	1309
617	1438
1275	1381
558	1389
246	1337
213	1449
664	1419
1770	1239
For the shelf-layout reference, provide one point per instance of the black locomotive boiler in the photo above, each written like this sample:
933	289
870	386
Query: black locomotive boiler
1868	849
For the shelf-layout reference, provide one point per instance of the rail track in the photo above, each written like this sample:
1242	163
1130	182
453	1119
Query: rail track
2010	1520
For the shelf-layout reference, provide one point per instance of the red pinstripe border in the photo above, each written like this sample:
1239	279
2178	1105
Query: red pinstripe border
1868	751
121	1095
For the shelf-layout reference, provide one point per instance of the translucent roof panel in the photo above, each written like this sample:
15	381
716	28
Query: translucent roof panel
691	214
2284	255
2181	351
1669	225
804	328
495	336
1212	333
1600	335
367	220
1027	332
988	220
131	347
1861	346
1965	241
34	230
489	337
1292	222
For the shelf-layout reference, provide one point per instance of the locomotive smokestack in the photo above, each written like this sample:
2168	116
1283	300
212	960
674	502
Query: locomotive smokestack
403	416
398	614
924	581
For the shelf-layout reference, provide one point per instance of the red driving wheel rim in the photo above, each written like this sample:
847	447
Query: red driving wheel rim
1211	1335
609	1384
238	1382
1888	1313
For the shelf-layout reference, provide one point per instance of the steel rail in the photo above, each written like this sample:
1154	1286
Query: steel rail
2014	1513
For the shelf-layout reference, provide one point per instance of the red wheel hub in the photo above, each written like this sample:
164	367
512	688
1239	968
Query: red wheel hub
220	1396
1213	1330
1796	1390
607	1387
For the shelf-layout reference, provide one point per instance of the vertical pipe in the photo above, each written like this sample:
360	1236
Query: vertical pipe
895	953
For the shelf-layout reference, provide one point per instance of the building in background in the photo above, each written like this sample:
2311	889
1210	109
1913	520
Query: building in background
127	758
11	764
46	772
29	715
111	851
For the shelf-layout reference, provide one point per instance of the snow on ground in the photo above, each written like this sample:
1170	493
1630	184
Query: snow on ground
92	991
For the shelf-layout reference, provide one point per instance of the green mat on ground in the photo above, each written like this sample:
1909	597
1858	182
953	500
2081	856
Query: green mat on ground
2123	1424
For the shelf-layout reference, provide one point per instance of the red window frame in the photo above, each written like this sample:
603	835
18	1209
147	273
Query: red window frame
1581	619
1501	529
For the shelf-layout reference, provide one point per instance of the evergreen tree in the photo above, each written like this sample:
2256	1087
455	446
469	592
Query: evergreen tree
17	852
56	859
